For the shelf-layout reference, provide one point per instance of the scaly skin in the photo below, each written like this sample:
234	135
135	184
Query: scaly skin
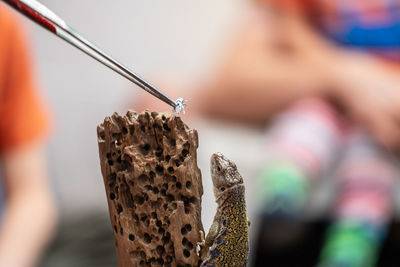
228	239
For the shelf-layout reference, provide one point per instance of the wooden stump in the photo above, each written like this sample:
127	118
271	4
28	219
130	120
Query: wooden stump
153	187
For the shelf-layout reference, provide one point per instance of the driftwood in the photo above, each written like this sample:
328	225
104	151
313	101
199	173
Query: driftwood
153	187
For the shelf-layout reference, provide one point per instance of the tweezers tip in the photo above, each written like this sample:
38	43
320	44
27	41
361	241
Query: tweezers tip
180	104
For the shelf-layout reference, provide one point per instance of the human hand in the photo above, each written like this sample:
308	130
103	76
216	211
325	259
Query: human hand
370	94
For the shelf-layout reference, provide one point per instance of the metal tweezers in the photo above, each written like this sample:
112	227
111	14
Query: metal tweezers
50	21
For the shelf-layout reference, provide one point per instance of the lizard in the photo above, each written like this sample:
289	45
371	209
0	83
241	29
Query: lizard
227	242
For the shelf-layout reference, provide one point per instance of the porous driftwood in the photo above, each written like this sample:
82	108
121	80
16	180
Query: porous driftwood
153	187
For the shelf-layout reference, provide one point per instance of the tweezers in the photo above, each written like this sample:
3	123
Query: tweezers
50	21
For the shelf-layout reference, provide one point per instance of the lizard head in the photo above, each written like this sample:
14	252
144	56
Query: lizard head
224	173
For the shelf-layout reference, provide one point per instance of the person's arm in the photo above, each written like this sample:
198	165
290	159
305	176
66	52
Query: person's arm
261	73
255	76
30	213
278	59
29	216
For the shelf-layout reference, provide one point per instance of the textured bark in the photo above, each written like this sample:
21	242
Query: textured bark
153	187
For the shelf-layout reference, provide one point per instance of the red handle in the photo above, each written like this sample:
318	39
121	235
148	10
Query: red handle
33	15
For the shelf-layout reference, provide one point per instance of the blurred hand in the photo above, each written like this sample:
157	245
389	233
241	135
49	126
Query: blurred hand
370	93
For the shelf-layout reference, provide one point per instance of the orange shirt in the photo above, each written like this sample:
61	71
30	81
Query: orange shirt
22	116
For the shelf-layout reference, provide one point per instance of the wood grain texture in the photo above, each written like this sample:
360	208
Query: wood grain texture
154	188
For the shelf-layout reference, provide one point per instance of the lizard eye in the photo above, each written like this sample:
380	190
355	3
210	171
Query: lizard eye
222	189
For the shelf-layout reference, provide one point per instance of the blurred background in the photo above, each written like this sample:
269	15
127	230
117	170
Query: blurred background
176	45
174	40
144	36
